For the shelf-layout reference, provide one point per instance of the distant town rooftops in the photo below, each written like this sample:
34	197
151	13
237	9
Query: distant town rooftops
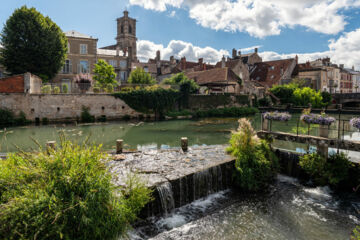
76	34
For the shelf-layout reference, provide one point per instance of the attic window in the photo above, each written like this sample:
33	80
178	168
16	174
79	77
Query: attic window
272	68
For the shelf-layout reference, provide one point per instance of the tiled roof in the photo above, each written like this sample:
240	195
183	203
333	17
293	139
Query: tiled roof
213	76
76	34
230	63
150	66
271	72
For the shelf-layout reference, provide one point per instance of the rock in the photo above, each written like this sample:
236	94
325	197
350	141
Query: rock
119	157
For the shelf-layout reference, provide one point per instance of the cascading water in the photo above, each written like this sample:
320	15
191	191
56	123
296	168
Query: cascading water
166	197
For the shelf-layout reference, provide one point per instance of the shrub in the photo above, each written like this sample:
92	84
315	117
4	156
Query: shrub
96	89
65	88
284	92
6	117
256	165
86	116
139	76
306	95
109	88
66	194
356	234
56	90
314	165
21	119
46	89
126	117
45	121
225	112
326	98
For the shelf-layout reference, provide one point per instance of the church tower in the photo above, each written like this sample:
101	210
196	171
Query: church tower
126	35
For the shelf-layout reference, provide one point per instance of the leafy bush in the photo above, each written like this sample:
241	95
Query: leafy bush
306	95
109	88
56	90
256	165
284	92
326	98
46	89
225	112
45	121
333	171
65	88
158	101
96	89
8	118
264	102
86	116
66	194
104	74
21	119
181	113
356	234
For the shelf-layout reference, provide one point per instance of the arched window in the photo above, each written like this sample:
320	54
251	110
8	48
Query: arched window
130	29
122	29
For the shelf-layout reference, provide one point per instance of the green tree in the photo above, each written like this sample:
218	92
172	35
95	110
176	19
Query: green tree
104	74
181	79
326	98
139	76
306	95
32	43
284	92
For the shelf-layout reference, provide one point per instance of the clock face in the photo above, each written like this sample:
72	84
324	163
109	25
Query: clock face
123	63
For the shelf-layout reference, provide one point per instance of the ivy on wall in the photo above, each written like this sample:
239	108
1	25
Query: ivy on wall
157	101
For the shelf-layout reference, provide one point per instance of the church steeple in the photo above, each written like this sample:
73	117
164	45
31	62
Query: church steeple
126	35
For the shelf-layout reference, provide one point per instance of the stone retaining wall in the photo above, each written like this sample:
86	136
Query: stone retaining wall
58	107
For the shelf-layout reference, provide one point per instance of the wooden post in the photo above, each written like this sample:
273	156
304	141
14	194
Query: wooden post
119	146
322	147
50	145
184	144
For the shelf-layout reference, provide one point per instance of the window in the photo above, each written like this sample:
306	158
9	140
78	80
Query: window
112	63
68	46
146	69
122	29
67	66
84	67
1	74
130	29
123	63
83	49
272	68
123	76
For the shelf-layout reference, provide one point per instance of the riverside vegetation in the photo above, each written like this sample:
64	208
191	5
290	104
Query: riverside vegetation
66	193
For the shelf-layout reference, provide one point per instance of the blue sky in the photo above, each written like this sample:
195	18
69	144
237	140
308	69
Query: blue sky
187	27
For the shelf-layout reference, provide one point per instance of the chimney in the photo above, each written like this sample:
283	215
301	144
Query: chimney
183	63
341	65
157	55
239	53
353	68
126	13
223	62
201	60
172	60
297	59
256	50
234	53
307	64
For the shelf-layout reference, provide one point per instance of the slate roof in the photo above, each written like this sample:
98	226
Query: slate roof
222	76
271	72
76	34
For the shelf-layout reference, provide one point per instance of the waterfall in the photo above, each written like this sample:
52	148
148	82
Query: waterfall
207	182
166	197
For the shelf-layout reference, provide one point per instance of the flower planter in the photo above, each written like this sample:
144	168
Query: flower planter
265	124
324	131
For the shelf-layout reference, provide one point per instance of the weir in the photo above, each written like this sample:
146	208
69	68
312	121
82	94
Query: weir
179	178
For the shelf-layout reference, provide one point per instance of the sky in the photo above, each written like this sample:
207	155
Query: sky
210	29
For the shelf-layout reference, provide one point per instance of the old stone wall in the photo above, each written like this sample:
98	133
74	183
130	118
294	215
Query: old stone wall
60	107
217	101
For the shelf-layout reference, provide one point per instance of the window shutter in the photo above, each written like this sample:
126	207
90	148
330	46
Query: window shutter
70	67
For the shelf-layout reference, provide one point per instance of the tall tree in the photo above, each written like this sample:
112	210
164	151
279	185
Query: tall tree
139	76
104	74
32	43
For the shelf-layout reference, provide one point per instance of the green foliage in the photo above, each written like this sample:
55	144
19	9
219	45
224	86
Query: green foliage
45	121
65	88
8	118
225	112
306	95
96	89
139	76
32	43
46	89
284	92
356	234
264	102
104	74
180	79
326	98
256	165
299	82
86	116
66	194
109	88
56	90
180	113
158	100
333	171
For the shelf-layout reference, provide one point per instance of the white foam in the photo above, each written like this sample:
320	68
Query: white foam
173	221
319	192
312	213
286	179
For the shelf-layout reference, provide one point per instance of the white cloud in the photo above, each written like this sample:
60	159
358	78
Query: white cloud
179	49
250	49
172	14
261	18
345	50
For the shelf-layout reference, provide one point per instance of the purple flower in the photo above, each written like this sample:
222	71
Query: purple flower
355	122
321	119
277	116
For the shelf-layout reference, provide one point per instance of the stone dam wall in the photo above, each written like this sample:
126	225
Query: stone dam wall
63	107
179	178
